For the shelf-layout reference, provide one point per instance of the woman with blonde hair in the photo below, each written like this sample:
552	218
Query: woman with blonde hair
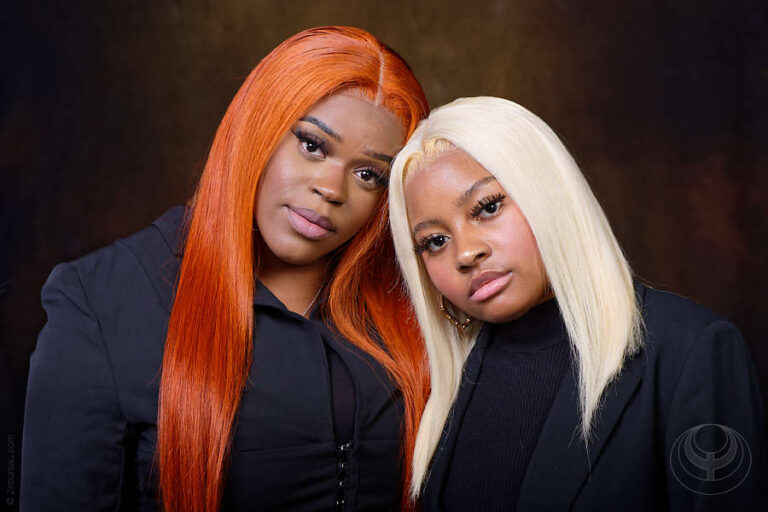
558	381
251	351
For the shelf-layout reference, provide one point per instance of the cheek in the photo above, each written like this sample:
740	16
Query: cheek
443	277
264	196
362	205
280	177
516	239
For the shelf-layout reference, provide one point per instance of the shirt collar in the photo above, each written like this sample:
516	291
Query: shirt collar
538	328
263	297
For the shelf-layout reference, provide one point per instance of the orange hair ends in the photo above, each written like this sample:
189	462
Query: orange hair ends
208	346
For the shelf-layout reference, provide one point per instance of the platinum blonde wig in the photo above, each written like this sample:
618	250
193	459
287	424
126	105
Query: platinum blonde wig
587	270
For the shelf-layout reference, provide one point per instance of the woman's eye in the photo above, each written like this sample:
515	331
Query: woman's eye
372	177
436	242
310	145
432	243
366	175
488	207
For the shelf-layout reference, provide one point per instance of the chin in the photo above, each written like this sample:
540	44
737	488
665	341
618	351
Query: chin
497	317
297	252
501	313
297	259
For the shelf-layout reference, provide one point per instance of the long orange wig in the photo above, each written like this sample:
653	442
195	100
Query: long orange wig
208	350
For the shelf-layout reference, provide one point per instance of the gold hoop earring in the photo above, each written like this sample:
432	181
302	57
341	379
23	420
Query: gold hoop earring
455	321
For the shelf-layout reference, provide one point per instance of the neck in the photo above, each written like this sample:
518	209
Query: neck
296	286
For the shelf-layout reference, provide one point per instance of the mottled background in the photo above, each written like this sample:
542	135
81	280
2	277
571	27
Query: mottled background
107	110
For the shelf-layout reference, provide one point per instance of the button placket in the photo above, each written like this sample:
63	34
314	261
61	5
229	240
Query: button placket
342	473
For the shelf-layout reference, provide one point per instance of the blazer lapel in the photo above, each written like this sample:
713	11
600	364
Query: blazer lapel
560	463
444	453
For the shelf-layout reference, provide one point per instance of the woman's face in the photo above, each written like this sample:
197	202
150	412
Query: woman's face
325	178
475	243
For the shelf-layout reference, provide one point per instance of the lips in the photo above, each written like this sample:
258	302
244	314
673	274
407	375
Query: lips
309	223
487	284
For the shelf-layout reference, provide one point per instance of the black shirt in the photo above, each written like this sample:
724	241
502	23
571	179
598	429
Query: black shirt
693	370
91	411
521	371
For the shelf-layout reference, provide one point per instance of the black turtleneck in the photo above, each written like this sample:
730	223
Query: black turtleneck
520	374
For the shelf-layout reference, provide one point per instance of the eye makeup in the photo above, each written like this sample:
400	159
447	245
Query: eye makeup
489	205
425	243
379	179
314	146
484	204
310	143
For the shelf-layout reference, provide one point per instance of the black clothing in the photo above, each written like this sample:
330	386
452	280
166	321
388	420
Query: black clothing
693	378
522	368
343	396
90	423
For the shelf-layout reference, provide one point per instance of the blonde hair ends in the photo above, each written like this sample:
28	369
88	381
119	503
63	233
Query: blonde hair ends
586	268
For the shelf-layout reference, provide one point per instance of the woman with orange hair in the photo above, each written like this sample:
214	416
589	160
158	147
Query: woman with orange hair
252	351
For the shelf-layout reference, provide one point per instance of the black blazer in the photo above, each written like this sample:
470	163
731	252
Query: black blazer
91	410
694	370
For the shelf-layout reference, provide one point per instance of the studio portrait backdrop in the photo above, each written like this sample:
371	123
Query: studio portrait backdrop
108	110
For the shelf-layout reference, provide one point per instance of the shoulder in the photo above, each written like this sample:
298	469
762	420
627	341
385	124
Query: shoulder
148	257
674	322
682	336
665	307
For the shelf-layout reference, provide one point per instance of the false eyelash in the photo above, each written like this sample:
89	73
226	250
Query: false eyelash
305	136
421	246
482	203
382	178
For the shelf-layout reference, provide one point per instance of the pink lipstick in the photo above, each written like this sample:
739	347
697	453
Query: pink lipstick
487	284
310	224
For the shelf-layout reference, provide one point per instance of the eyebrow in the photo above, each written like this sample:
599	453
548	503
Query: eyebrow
327	129
425	224
379	156
476	185
459	203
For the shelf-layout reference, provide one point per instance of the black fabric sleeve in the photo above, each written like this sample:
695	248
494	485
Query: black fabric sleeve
716	408
72	452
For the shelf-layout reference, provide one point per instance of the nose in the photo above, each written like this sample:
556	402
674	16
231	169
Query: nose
329	182
470	250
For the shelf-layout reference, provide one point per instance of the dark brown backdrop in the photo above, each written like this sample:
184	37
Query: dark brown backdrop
107	112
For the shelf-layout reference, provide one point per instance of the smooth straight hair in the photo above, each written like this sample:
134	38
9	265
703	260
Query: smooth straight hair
586	268
208	348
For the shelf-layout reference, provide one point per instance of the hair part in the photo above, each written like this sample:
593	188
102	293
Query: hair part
208	349
585	266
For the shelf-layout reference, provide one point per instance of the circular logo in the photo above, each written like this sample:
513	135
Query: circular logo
710	459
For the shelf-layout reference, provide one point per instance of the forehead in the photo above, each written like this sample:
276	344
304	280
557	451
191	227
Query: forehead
353	115
442	182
